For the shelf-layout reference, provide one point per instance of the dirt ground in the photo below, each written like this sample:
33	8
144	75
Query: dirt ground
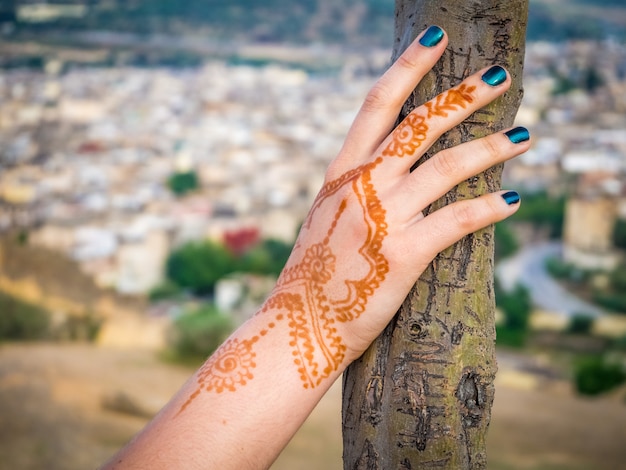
71	406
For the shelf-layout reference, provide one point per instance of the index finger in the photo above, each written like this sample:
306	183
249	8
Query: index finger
383	103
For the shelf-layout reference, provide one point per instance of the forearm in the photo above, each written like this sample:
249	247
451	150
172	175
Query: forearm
241	407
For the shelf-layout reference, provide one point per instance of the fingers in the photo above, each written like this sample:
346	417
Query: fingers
449	224
428	122
450	167
382	105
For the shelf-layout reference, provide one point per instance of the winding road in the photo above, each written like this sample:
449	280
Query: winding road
527	267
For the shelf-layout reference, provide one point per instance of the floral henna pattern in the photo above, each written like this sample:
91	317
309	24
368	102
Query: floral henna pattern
450	101
408	136
301	296
229	367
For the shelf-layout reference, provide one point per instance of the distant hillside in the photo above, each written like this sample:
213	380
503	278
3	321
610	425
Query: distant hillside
330	21
558	20
352	22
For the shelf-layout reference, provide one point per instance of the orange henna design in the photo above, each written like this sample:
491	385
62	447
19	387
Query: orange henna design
451	100
302	296
311	313
311	333
317	267
407	137
230	366
331	188
359	290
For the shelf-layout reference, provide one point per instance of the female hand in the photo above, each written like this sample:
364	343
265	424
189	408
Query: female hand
366	241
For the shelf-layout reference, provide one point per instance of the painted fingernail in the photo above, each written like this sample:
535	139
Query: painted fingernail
494	76
518	135
511	197
432	36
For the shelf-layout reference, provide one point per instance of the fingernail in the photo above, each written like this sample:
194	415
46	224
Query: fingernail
432	36
518	135
494	76
511	197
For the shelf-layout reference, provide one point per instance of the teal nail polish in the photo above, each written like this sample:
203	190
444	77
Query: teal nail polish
518	135
494	76
432	36
511	197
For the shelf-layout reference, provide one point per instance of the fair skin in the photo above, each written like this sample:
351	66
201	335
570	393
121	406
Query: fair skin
361	249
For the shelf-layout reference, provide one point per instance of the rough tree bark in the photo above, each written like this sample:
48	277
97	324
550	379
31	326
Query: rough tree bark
421	396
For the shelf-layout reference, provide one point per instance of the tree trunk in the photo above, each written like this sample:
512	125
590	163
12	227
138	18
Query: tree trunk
421	396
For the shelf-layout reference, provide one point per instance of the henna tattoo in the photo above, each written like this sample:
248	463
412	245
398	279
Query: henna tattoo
229	367
408	136
301	296
450	101
354	304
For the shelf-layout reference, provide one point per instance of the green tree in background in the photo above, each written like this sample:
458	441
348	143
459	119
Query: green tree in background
619	234
181	183
595	375
580	324
22	321
198	333
614	297
516	306
197	266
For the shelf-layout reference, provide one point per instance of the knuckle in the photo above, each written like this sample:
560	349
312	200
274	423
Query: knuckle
379	97
494	207
406	61
464	216
491	148
445	164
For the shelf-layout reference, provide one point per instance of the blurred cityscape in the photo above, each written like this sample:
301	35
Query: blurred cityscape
130	155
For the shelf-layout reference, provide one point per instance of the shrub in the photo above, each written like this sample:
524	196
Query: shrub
516	307
22	321
619	234
559	269
506	336
617	278
614	297
80	328
593	375
165	290
611	301
580	324
197	334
